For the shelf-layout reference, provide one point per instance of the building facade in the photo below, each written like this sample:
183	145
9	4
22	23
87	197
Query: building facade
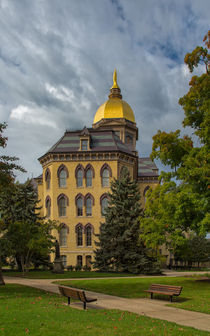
77	172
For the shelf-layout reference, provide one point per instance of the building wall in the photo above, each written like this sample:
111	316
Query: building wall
71	250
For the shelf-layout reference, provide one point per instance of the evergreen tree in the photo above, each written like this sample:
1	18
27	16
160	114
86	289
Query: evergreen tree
119	246
22	226
7	167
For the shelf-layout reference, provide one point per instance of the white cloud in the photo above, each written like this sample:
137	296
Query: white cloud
31	116
57	59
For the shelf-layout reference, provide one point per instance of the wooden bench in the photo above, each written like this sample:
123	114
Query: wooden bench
165	290
76	294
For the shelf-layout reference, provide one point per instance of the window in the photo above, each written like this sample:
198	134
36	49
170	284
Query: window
79	232
48	180
62	206
89	178
63	236
88	260
79	206
48	207
79	178
79	260
62	178
88	206
105	178
88	236
144	193
104	204
129	139
64	260
84	145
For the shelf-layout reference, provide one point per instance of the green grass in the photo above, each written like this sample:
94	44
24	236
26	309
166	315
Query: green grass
195	295
65	275
28	311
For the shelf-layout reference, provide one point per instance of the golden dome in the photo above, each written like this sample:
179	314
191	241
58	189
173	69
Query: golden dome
114	107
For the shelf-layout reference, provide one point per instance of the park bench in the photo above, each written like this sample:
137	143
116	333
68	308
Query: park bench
165	290
77	294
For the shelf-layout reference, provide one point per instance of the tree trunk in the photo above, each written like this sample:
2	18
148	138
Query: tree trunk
1	275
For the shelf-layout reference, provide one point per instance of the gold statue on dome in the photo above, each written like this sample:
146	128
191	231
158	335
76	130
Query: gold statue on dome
115	85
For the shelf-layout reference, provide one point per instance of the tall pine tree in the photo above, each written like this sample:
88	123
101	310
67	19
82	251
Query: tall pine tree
120	247
22	226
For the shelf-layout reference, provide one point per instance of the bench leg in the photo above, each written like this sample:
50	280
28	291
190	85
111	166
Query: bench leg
84	305
68	300
151	295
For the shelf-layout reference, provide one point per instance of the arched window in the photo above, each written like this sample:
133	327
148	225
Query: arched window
89	177
79	260
104	204
144	193
79	204
48	206
79	178
64	260
89	206
63	235
88	237
79	235
47	178
62	178
62	204
105	178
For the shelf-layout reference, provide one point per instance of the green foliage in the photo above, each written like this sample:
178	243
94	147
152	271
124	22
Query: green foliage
120	248
194	249
22	227
173	208
170	148
7	163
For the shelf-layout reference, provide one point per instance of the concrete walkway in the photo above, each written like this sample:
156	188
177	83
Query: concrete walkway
147	307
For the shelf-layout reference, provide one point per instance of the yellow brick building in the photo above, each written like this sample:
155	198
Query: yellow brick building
77	172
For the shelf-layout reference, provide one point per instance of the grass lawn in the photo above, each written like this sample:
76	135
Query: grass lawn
195	295
65	275
28	311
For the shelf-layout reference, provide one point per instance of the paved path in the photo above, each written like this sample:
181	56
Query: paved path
147	307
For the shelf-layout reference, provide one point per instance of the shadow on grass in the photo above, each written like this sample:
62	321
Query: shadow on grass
14	290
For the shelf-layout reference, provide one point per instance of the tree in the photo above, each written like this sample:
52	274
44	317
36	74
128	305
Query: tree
194	249
120	247
22	226
182	201
7	163
7	168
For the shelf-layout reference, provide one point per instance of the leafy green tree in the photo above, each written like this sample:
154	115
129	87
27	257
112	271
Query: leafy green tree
194	249
119	246
7	163
23	228
183	206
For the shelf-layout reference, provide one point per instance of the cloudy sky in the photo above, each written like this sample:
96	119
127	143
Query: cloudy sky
57	58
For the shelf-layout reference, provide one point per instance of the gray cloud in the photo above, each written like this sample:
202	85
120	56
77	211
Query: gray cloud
57	59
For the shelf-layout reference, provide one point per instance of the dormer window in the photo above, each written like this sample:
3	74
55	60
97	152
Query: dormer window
84	145
85	140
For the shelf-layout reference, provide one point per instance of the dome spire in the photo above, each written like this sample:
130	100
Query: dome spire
115	91
115	85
